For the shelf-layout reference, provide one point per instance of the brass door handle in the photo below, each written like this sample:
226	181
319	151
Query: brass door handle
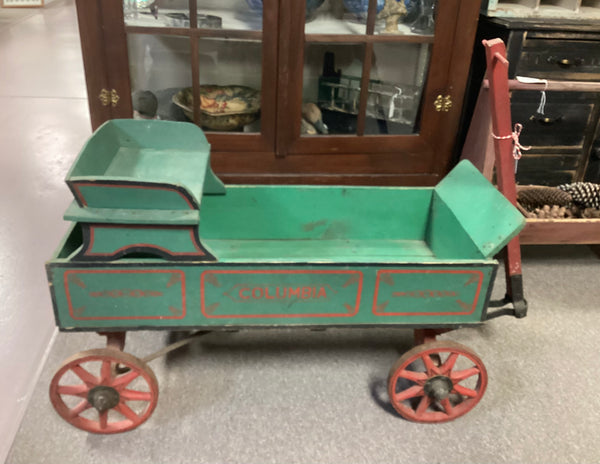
107	97
443	103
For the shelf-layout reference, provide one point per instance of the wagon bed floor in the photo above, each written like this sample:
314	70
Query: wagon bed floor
320	250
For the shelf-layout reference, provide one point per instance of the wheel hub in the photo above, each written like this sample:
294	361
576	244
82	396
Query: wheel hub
103	398
438	388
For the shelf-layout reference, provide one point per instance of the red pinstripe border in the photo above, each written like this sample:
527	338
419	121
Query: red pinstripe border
280	316
427	271
115	271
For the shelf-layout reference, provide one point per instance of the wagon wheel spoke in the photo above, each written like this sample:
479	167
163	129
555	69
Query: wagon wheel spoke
417	377
74	390
83	405
124	380
127	412
135	395
464	391
430	366
106	372
103	420
458	376
423	405
449	364
411	392
447	405
89	379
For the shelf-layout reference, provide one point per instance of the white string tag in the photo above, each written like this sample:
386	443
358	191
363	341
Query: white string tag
534	80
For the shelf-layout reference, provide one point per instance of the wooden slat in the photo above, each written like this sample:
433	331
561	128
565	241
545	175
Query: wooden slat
94	59
364	89
195	71
115	47
193	6
386	38
561	231
157	30
181	31
566	86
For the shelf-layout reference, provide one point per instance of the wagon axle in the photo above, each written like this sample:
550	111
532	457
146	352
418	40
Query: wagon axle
103	398
438	388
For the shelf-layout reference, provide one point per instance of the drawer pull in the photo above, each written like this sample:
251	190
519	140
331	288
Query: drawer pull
565	62
546	120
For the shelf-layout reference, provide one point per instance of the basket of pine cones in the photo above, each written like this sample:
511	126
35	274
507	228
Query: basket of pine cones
576	200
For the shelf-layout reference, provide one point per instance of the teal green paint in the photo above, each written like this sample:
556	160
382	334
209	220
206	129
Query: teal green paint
125	294
108	240
446	235
145	153
320	251
487	217
316	213
348	298
116	197
131	216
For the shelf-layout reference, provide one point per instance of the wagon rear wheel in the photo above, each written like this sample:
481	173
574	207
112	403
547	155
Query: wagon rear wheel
91	391
437	382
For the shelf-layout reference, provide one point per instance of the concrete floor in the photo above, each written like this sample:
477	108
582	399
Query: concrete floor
270	396
43	123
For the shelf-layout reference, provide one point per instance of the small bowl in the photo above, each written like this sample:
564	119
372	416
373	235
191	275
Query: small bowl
222	108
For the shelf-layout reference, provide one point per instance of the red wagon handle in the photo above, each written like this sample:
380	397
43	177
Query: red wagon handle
504	144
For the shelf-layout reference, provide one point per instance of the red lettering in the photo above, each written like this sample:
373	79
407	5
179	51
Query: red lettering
294	291
257	293
267	296
322	293
306	293
242	296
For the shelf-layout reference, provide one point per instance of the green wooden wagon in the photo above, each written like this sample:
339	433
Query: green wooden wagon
157	242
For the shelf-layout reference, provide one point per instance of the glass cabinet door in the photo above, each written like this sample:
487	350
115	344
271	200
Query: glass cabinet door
369	68
203	61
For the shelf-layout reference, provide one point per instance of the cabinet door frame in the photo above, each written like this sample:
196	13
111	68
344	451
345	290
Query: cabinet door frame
114	42
427	151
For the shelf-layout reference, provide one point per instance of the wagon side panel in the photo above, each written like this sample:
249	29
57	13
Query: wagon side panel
246	295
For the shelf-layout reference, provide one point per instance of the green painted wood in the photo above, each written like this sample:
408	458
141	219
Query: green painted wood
109	240
126	164
485	215
131	216
316	213
319	251
129	295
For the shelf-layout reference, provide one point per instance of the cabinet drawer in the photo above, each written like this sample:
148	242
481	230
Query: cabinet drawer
560	59
547	169
565	120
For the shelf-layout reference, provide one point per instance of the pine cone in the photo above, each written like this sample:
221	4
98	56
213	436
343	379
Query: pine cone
533	197
585	194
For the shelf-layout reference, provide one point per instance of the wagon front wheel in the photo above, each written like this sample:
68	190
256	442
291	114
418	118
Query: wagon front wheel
91	391
437	382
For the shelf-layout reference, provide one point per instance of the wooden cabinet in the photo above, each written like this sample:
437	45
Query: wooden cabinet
565	139
389	91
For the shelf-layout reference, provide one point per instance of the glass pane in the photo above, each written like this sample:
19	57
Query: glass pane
398	74
230	80
331	88
405	17
211	14
151	13
159	67
336	17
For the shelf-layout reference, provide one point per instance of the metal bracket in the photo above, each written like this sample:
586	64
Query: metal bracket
513	303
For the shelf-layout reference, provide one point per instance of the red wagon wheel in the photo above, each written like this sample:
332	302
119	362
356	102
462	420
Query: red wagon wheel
437	382
93	391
